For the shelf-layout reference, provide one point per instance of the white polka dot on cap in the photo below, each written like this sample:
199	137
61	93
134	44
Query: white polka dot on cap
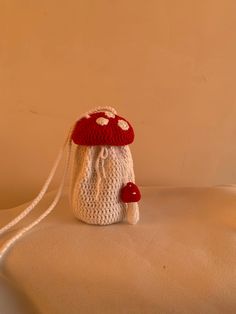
102	121
109	114
123	125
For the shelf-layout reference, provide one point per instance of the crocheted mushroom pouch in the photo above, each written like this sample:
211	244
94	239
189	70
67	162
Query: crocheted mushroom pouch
103	175
102	188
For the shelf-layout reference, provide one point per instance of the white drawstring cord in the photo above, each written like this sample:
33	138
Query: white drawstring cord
103	154
39	197
21	232
43	190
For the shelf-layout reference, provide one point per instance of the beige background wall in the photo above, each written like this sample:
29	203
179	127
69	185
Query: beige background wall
169	66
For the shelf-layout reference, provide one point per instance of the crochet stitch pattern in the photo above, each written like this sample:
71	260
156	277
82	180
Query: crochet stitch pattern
107	207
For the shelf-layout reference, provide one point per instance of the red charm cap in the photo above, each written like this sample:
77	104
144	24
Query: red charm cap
130	193
103	128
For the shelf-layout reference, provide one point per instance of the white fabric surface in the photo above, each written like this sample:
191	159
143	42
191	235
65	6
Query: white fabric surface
180	257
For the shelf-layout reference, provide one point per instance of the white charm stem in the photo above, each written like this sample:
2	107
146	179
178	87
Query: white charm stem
133	213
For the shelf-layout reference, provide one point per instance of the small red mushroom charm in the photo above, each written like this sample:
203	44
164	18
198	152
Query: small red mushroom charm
130	194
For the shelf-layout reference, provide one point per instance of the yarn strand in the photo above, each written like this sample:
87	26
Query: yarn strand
103	154
21	232
43	190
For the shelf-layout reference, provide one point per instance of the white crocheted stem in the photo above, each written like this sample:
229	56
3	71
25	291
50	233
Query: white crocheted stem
95	197
132	213
98	175
21	232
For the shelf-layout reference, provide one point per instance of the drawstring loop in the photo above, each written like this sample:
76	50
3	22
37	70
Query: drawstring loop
98	109
103	154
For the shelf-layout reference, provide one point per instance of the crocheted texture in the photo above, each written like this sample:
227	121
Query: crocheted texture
104	207
103	128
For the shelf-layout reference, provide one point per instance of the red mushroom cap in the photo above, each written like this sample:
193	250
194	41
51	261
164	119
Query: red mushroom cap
103	128
130	193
